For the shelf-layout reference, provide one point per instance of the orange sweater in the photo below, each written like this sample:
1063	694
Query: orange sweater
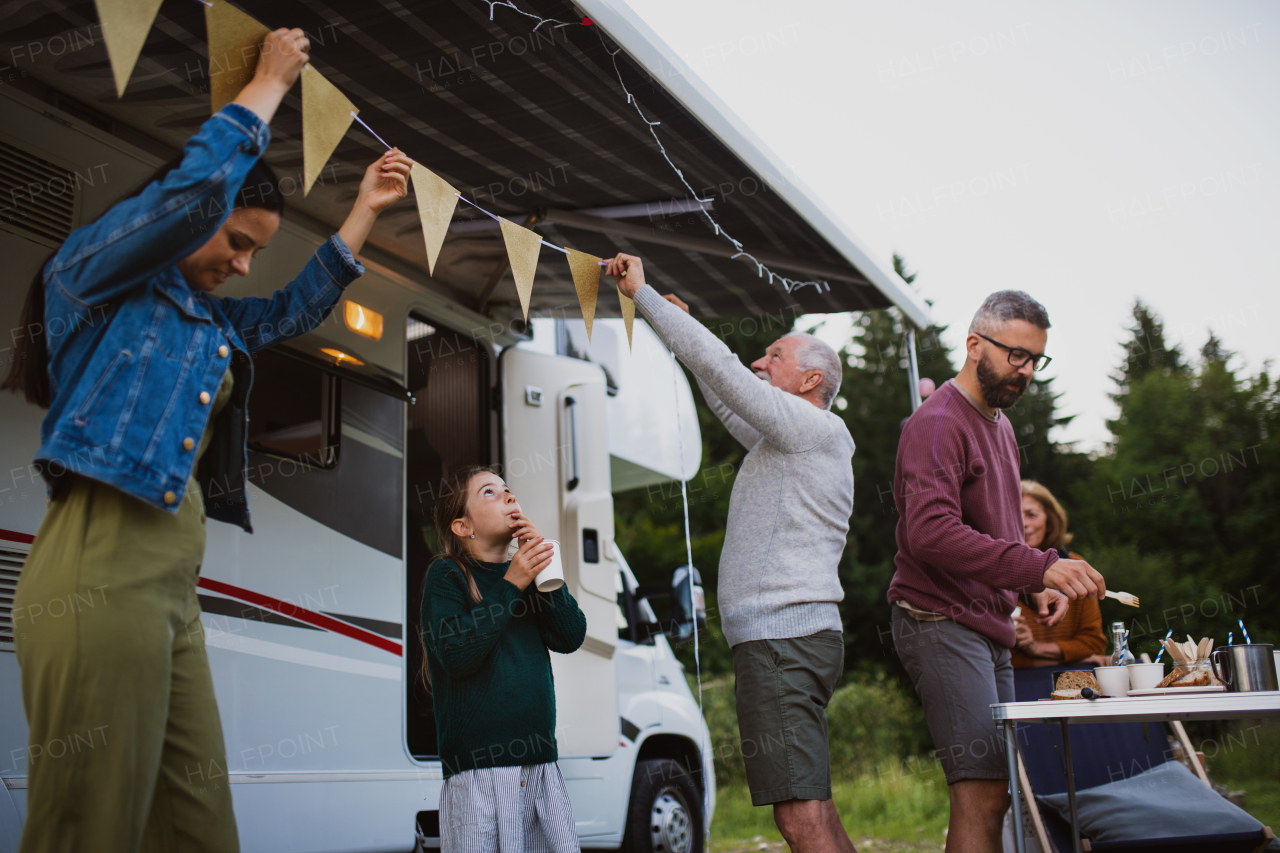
1079	634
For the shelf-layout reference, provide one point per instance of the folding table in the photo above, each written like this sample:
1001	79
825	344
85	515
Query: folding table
1166	708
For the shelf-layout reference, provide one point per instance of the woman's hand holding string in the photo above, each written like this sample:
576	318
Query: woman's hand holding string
280	61
385	182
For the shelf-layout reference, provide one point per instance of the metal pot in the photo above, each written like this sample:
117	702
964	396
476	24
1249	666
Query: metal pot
1248	667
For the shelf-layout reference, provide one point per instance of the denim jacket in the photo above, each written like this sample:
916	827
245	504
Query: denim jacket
136	355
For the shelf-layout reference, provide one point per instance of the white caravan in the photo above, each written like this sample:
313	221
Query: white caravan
312	622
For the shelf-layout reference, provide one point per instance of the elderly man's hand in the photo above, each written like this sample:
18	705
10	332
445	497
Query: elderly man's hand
628	272
676	301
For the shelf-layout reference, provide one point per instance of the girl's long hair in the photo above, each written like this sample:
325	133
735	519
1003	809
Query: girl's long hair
29	371
450	506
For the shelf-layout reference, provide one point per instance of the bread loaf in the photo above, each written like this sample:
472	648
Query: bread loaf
1074	681
1181	677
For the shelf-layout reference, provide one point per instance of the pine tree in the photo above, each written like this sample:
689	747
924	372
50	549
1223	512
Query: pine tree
1184	503
1146	351
877	399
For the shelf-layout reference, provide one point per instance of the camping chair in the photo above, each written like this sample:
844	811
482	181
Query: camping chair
1103	753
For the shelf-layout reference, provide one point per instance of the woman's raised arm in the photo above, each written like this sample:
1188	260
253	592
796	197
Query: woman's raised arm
302	305
171	218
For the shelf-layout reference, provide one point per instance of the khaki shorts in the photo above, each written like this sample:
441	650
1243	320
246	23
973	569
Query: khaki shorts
959	674
782	689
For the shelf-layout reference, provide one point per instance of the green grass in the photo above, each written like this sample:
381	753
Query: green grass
1247	758
1262	799
904	806
903	802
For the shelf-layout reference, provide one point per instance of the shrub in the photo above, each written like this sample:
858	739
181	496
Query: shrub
870	720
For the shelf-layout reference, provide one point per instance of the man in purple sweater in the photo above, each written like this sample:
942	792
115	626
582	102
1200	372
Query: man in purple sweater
961	561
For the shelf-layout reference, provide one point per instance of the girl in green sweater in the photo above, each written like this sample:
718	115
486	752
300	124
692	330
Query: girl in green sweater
486	633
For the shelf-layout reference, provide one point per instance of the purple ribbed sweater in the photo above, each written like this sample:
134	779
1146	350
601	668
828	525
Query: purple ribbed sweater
960	547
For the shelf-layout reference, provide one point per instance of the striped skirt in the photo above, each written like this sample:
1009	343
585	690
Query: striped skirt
507	810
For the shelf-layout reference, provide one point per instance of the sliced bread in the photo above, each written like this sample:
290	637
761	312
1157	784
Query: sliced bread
1075	680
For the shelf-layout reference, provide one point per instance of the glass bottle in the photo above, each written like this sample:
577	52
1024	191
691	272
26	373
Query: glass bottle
1120	654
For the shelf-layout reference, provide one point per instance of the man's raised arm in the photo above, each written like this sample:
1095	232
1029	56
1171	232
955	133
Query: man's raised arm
745	433
790	423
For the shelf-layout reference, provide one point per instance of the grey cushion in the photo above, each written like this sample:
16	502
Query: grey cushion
1167	801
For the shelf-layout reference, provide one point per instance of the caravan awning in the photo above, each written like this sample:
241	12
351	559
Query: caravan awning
532	124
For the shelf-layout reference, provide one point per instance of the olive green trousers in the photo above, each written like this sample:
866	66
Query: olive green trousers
125	749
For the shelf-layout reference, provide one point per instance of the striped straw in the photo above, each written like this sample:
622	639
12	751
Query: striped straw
1160	654
1244	631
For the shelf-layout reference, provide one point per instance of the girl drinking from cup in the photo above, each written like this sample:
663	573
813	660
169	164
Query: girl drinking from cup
486	633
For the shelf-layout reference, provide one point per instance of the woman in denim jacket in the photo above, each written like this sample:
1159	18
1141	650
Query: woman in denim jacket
143	372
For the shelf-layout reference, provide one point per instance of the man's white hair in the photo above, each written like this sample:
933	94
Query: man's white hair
815	354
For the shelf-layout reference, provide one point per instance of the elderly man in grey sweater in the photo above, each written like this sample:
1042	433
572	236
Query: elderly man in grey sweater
778	590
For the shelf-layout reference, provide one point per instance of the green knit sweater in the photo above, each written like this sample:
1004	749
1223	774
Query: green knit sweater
491	682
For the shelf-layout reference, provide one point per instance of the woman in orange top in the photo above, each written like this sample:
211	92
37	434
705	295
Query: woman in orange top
1078	637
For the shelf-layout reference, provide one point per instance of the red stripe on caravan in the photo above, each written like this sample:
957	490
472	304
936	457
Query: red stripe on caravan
301	614
15	536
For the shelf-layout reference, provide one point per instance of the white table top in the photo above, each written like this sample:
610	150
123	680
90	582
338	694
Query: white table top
1194	706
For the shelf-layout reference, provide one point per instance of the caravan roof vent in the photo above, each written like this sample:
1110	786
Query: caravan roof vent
37	197
11	561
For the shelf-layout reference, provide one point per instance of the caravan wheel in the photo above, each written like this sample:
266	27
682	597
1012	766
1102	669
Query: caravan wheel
665	815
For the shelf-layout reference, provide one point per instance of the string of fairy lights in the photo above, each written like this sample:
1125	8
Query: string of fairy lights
762	270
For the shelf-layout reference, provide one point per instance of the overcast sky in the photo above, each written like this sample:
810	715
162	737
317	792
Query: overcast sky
1089	153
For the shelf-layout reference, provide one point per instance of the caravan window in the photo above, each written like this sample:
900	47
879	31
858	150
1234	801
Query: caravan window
602	348
294	410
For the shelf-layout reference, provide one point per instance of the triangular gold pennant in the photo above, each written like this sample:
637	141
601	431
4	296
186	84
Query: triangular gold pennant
436	203
234	43
326	115
628	314
125	25
523	246
586	279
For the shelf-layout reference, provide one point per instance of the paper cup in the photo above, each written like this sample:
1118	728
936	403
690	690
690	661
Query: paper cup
1144	676
1114	680
552	577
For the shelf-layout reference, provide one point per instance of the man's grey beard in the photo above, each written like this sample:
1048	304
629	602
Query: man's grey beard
994	391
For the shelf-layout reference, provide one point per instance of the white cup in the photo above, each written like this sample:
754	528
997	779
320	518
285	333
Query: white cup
1144	676
1114	680
552	577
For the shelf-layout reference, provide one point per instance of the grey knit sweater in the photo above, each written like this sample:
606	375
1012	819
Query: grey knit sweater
791	501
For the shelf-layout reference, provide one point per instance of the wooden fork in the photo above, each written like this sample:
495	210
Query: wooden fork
1124	598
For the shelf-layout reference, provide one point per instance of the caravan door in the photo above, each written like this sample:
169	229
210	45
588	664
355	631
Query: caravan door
556	460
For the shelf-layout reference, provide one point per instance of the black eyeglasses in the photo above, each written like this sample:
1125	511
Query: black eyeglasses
1019	357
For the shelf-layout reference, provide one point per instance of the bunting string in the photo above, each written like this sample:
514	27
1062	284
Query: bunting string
371	131
762	270
327	114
